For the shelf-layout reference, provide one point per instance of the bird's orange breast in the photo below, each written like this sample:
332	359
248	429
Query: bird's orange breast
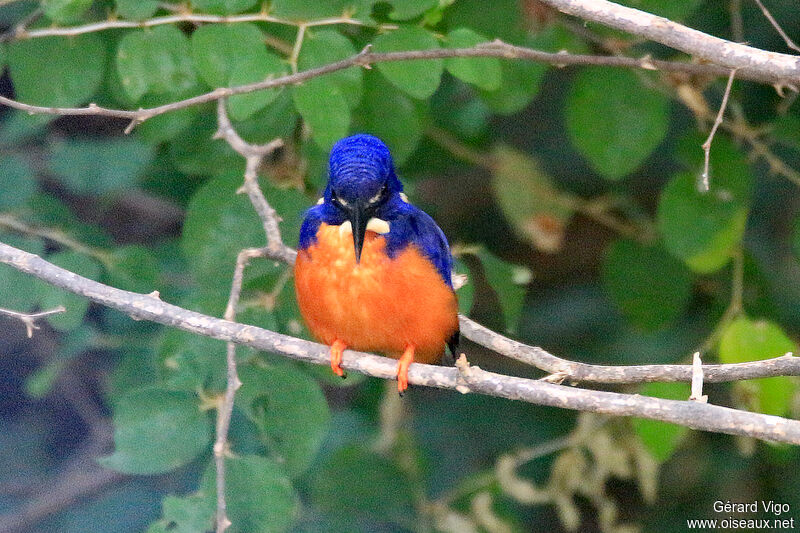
381	304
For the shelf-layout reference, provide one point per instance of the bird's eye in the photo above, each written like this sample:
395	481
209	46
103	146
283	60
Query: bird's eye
381	194
335	199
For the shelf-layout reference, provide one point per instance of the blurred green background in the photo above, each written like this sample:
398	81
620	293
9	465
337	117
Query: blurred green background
569	197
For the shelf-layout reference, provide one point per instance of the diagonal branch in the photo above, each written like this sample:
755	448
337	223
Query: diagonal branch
366	57
562	369
147	307
784	69
21	32
788	40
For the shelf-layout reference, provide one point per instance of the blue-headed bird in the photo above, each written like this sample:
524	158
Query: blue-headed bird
373	272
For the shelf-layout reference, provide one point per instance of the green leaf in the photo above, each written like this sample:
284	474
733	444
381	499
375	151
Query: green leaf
218	48
157	430
303	10
347	483
17	181
509	282
219	223
65	11
136	9
196	152
614	121
133	268
390	115
155	61
265	65
407	9
484	73
166	126
260	497
704	229
752	340
73	69
650	287
796	237
75	305
324	109
187	360
520	82
660	438
328	46
185	514
19	127
100	166
528	198
289	409
223	7
418	78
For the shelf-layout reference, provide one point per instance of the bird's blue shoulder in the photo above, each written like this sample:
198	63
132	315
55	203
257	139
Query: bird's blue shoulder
315	216
407	225
411	225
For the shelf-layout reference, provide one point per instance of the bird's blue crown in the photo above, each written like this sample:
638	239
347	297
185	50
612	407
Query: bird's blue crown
361	173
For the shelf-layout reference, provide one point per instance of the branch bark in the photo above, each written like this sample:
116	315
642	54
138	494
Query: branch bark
562	369
783	69
472	379
366	58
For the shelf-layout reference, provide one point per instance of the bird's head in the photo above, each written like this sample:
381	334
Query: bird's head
361	180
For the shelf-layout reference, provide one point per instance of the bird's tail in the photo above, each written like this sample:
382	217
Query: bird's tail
452	345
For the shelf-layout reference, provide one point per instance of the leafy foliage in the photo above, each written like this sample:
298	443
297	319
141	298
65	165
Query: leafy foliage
614	121
156	430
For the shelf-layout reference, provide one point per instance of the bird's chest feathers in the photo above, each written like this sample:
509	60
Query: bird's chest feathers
333	257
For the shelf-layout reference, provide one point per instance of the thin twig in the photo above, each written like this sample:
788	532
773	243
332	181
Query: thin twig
366	57
581	372
275	248
55	235
254	154
703	184
225	410
691	414
29	319
737	26
196	18
298	44
789	42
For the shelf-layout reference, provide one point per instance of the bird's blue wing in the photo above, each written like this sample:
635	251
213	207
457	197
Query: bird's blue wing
417	227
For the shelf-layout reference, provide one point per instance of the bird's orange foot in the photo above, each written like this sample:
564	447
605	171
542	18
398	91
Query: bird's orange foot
337	348
402	369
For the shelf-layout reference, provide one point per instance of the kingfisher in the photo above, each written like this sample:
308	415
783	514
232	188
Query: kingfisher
373	272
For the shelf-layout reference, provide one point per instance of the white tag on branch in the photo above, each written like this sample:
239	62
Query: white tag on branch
697	380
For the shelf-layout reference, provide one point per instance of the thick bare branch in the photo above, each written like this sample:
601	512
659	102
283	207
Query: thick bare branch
783	69
146	307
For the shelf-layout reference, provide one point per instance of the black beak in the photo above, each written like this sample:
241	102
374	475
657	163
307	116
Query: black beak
358	219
